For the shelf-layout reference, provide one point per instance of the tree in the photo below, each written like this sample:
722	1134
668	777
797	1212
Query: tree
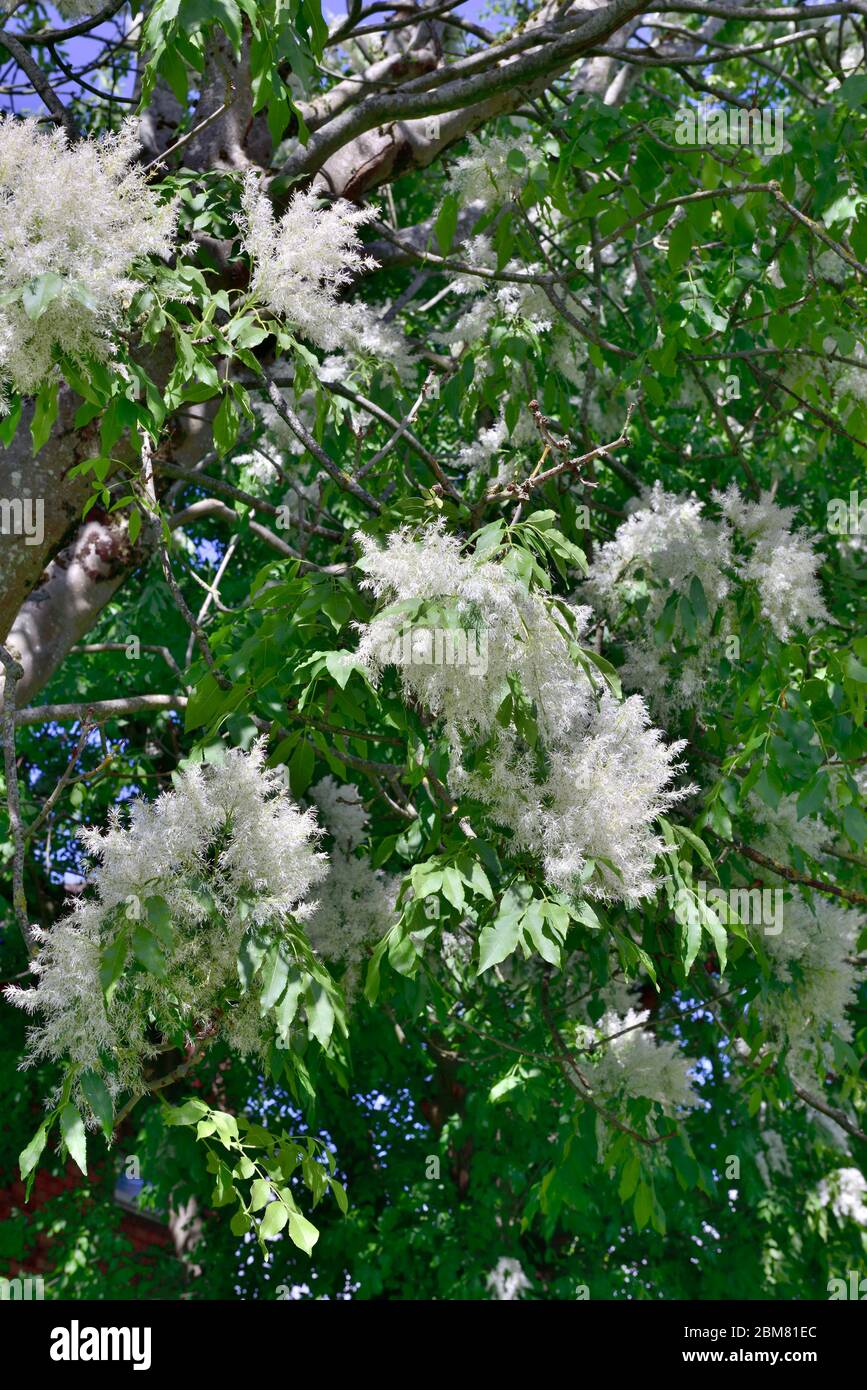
434	673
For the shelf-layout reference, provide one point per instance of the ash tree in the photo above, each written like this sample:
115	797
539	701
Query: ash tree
434	672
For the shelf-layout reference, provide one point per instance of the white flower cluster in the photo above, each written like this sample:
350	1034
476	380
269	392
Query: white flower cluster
524	307
356	903
228	834
74	220
814	977
779	829
667	540
507	1281
600	777
636	1063
496	300
783	563
490	172
303	262
667	543
476	458
811	959
845	1191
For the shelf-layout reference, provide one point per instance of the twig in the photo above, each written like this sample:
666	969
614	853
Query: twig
792	875
343	480
401	431
202	1043
41	85
838	1116
98	710
196	130
213	593
571	1071
34	826
47	36
186	613
90	648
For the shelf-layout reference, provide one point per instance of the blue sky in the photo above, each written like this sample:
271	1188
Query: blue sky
88	48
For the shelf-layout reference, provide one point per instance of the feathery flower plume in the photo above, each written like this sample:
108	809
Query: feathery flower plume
485	174
303	261
507	1281
74	220
782	564
600	776
666	545
357	904
637	1063
225	850
845	1190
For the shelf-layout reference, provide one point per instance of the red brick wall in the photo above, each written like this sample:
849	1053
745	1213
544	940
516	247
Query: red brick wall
142	1233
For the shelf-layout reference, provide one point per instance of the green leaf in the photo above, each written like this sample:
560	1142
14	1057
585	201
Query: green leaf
187	1114
288	1006
499	939
44	415
274	1220
240	1223
112	961
9	423
274	976
852	92
643	1205
72	1129
148	951
302	1232
372	978
629	1178
32	1152
226	424
690	918
40	293
301	768
224	1189
612	680
698	600
225	1127
679	247
534	924
260	1194
99	1100
159	916
453	888
250	957
447	223
684	833
320	1012
855	669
